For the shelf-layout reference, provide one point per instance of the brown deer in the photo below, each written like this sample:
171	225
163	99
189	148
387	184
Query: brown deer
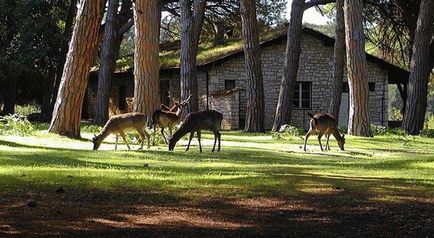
195	122
119	124
168	118
324	124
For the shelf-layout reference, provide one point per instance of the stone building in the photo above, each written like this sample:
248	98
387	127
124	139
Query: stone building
222	83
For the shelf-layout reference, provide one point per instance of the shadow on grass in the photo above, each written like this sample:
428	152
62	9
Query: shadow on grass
337	212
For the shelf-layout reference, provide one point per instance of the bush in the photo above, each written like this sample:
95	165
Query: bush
27	109
15	125
385	131
429	133
429	122
378	130
91	129
288	132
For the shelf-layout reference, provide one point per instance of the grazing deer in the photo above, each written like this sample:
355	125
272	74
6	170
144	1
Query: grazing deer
324	124
119	124
195	122
168	118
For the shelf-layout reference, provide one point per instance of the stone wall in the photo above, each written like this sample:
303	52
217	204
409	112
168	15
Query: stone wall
316	66
228	103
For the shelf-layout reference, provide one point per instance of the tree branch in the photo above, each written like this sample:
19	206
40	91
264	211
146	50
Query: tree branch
126	26
313	3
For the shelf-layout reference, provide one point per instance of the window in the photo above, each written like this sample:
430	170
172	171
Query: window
371	87
229	84
302	95
122	97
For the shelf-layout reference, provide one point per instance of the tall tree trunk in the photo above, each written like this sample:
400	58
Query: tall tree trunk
359	120
146	61
191	26
419	70
109	52
10	95
339	60
82	49
431	54
292	59
54	82
255	101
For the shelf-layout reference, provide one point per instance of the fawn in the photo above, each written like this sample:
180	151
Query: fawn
195	122
168	118
119	124
324	124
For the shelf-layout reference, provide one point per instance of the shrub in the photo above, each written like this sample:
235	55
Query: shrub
429	121
91	128
385	131
15	125
378	130
292	130
429	133
27	109
288	132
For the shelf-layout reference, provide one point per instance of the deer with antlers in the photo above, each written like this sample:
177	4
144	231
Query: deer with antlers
195	122
168	118
119	124
324	124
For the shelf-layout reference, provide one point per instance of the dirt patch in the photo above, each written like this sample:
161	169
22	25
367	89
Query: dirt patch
149	214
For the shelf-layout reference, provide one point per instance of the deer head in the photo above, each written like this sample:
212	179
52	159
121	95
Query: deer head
341	142
172	143
97	139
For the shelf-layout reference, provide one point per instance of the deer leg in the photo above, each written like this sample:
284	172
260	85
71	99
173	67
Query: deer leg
306	137
164	137
217	136
215	140
125	139
319	140
198	138
143	134
189	141
116	145
220	139
153	139
170	131
327	144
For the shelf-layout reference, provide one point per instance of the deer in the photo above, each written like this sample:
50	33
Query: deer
195	122
168	118
119	124
324	124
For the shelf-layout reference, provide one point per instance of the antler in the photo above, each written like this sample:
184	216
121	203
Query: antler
186	100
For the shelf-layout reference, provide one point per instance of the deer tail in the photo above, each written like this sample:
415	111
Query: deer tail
310	115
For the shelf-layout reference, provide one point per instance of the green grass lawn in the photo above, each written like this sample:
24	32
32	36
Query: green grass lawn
392	167
255	186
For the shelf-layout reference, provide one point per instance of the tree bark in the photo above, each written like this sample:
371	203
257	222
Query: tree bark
359	120
53	85
252	55
109	52
82	49
414	115
191	26
146	61
339	60
292	59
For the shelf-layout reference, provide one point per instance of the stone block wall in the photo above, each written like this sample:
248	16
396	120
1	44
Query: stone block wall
228	104
316	66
